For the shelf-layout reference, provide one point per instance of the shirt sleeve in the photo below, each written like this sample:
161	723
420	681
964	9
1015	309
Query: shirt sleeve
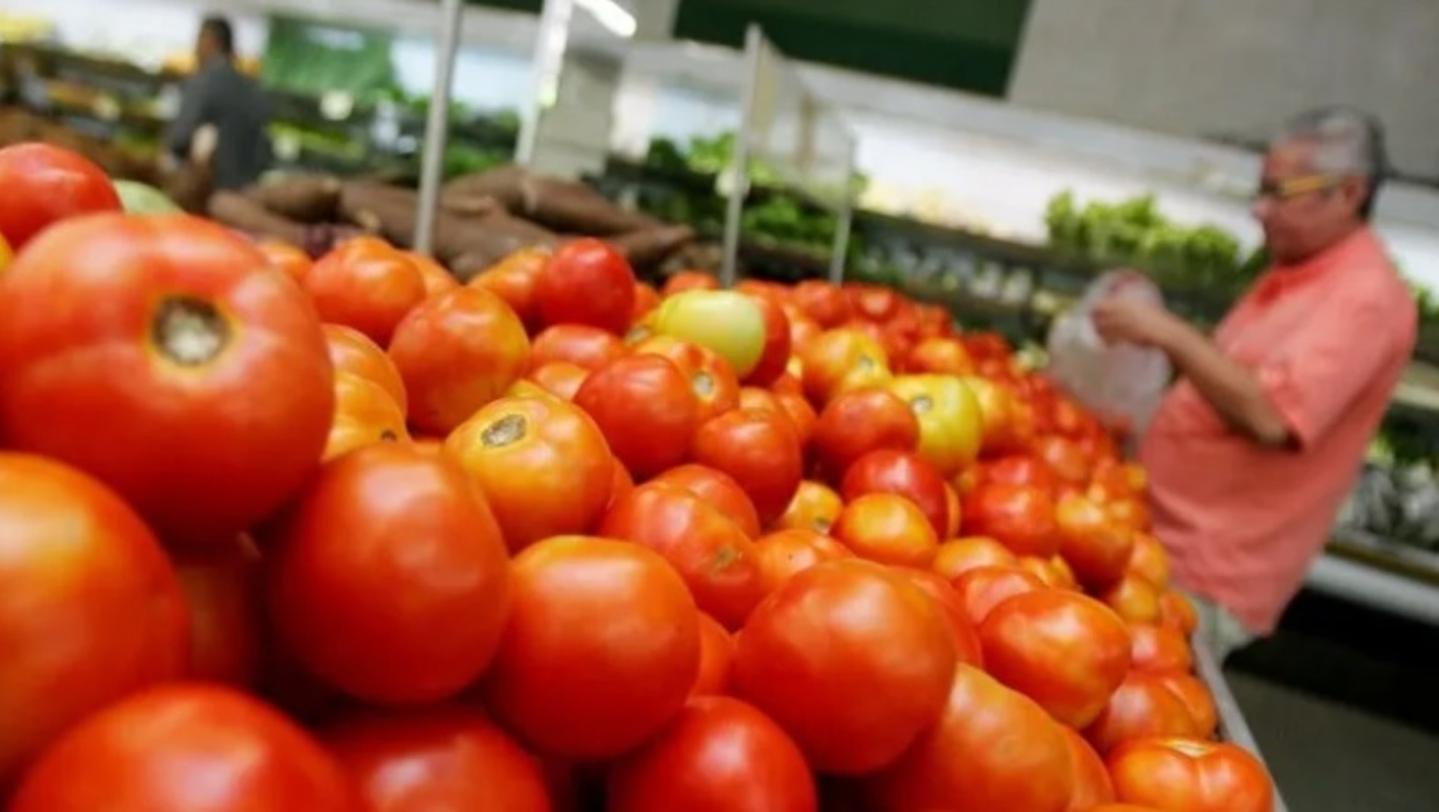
1326	366
194	112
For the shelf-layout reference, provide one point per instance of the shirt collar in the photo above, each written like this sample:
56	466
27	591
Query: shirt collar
1281	279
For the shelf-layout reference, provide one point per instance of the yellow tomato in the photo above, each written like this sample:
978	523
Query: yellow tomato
722	321
950	424
364	413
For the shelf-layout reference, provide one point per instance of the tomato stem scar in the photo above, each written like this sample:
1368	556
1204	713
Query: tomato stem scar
504	431
188	331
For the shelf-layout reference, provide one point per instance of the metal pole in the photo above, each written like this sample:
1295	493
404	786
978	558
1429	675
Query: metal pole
739	161
841	237
437	125
547	65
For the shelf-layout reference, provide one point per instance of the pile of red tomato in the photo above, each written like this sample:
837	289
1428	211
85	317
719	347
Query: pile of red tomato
347	535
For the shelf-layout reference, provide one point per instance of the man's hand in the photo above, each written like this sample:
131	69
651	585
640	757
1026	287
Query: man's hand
1120	319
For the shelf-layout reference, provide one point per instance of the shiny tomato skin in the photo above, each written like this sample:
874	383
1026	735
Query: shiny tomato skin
1096	549
90	608
950	425
903	474
839	361
816	656
1187	775
784	553
354	352
711	553
1134	599
1065	458
958	556
387	545
586	281
946	356
456	352
1092	786
967	647
1149	560
718	755
1176	611
689	280
222	594
1052	571
559	378
1196	698
365	414
438	757
984	588
777	343
801	415
887	528
991	749
181	747
207	369
814	507
1065	651
45	184
1142	706
711	377
821	301
589	347
719	490
1157	647
1019	516
760	451
542	463
286	257
367	284
621	483
646	300
601	650
514	279
716	658
1021	469
646	409
436	279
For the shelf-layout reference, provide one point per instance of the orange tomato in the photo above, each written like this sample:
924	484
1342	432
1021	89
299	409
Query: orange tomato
689	280
352	351
903	474
646	300
1135	599
783	554
716	658
940	355
222	594
760	451
1052	571
952	510
1190	775
1092	786
711	377
887	528
839	361
967	648
814	507
437	280
719	490
1142	706
513	279
958	556
367	284
801	415
1196	697
1149	561
1019	516
1096	549
1176	611
559	378
984	588
821	301
1155	647
579	344
364	414
288	258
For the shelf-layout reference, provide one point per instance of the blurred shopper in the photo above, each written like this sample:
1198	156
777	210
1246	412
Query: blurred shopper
220	96
1257	444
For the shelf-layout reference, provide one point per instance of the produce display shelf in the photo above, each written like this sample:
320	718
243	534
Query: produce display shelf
1368	570
1232	726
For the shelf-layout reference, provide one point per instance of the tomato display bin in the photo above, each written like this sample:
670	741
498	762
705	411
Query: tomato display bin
1232	726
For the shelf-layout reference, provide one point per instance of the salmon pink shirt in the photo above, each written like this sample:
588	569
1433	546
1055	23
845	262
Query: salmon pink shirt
1329	339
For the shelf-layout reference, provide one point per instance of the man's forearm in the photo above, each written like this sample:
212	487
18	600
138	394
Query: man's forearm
1231	388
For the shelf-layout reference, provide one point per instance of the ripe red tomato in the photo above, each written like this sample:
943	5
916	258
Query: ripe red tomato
777	342
1019	516
589	347
646	300
1142	706
839	361
542	463
365	414
1052	571
992	749
802	328
1175	610
946	356
875	302
1188	775
367	284
1134	598
689	280
1156	647
1148	560
857	423
1196	698
760	451
602	647
1064	457
1063	650
952	509
457	352
887	528
1092	787
1020	469
587	282
353	352
437	280
559	378
45	184
786	552
985	587
716	658
621	483
718	755
386	546
1094	547
710	376
814	507
719	490
967	647
222	594
286	257
801	415
646	408
439	757
958	556
90	609
821	301
816	656
207	368
514	279
183	746
903	474
711	553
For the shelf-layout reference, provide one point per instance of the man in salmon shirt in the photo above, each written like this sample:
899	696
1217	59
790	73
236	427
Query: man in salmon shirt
1256	445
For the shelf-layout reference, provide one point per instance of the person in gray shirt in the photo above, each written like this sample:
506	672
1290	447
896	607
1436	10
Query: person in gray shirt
234	104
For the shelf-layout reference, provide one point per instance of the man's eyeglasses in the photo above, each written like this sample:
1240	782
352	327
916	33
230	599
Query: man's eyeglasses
1289	188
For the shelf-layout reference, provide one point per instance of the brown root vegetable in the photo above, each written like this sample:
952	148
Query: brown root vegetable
307	198
502	183
652	245
380	208
552	202
243	214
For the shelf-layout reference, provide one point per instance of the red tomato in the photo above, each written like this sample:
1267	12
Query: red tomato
440	757
1052	571
1064	457
206	368
689	280
874	302
787	384
719	490
367	284
353	352
542	463
839	361
992	749
365	414
286	257
966	638
711	377
774	291
814	507
1130	513
1141	707
1134	598
1063	650
1158	648
987	346
646	300
646	408
943	355
90	609
457	352
821	301
1092	786
602	647
589	347
777	342
559	378
587	282
621	484
1186	775
816	655
986	587
1149	561
716	658
903	474
1020	469
514	279
1196	698
952	509
222	593
762	453
45	184
1175	610
1093	546
784	553
857	423
801	415
1019	516
711	553
802	328
718	755
182	747
887	528
958	556
388	545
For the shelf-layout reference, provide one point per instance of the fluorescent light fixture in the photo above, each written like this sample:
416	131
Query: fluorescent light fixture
611	15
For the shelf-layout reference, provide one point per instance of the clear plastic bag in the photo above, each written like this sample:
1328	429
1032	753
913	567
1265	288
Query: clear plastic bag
1123	383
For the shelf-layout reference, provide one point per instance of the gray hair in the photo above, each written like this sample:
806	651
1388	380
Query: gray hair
1348	142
